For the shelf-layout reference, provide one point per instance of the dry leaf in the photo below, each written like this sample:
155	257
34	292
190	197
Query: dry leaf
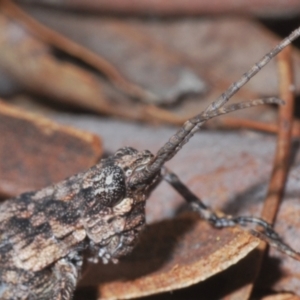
36	152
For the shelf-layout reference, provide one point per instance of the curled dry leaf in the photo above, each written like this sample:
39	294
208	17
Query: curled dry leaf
36	152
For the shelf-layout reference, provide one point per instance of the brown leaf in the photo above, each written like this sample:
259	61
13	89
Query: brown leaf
36	152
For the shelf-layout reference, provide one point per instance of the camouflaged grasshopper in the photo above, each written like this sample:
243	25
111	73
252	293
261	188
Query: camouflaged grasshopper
99	214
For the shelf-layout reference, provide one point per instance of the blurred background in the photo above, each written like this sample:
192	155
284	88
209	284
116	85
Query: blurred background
80	79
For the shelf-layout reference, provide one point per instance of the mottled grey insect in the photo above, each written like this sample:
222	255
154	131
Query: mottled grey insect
99	214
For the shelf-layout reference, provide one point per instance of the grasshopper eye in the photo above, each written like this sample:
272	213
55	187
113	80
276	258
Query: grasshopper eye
110	186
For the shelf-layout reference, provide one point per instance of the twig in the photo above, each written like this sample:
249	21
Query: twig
238	123
281	162
280	168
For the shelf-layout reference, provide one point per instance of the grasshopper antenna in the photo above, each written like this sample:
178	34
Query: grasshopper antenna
186	132
236	86
188	129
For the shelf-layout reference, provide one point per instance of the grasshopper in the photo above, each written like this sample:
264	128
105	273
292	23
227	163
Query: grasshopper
98	214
